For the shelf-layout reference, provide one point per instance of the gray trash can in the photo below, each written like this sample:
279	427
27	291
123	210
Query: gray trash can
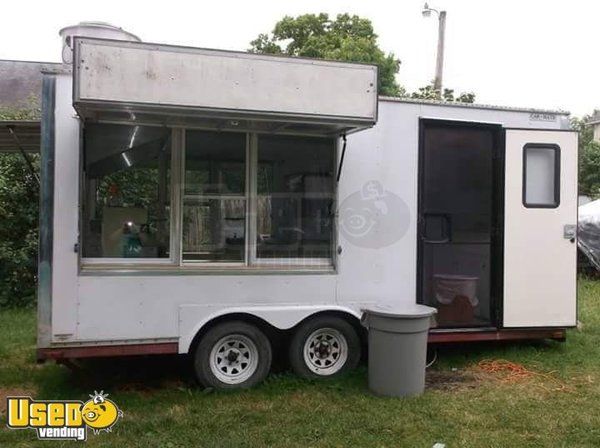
397	348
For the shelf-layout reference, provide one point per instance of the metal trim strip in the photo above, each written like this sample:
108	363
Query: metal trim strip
47	149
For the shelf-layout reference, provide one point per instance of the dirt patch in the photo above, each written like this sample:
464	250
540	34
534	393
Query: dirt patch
13	392
510	372
448	380
149	387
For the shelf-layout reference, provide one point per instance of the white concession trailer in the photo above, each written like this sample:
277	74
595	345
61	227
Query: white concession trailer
216	203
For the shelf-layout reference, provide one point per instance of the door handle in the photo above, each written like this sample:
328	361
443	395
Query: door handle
570	232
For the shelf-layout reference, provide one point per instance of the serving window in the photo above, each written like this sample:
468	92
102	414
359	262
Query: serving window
238	199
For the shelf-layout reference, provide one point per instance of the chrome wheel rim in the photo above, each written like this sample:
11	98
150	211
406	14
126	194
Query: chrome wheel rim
325	351
234	359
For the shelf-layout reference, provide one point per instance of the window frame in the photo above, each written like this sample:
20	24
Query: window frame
175	262
556	149
209	263
129	262
293	263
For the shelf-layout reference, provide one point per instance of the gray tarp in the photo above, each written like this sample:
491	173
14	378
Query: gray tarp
588	232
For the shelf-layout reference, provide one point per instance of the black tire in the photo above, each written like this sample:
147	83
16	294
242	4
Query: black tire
306	329
202	354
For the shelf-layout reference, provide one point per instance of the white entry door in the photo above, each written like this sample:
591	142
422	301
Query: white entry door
540	251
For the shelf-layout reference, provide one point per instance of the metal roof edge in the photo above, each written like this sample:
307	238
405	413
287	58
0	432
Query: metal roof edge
19	122
189	48
394	99
60	69
31	62
45	67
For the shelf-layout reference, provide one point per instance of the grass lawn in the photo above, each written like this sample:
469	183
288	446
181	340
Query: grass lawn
462	407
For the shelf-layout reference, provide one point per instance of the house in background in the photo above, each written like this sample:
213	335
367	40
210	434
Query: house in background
20	104
21	83
595	123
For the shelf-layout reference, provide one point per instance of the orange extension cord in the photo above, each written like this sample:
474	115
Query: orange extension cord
512	372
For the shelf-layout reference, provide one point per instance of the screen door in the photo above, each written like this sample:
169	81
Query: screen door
540	250
457	224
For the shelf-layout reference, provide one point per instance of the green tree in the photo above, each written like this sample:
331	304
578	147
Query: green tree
19	200
347	38
429	93
589	157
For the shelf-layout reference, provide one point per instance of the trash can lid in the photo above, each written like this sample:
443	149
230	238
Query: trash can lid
403	311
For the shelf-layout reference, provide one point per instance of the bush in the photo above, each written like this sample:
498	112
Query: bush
19	203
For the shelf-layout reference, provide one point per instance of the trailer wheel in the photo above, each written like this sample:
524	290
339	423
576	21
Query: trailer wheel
324	347
232	355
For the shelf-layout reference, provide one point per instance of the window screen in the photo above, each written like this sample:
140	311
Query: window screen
541	176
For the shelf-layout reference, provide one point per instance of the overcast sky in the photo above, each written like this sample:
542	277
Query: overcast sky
530	53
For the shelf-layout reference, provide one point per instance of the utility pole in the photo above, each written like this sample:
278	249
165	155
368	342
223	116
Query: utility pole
439	65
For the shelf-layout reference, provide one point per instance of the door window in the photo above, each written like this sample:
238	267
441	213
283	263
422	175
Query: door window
541	171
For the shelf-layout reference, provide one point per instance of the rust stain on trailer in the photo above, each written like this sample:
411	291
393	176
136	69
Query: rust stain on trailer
442	337
163	348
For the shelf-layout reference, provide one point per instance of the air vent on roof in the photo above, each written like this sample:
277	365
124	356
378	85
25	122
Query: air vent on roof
100	30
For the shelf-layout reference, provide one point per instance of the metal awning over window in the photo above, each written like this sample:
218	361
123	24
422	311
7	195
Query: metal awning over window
17	136
132	81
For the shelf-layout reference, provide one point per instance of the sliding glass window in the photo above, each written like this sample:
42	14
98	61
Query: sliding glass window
214	197
192	197
126	193
295	199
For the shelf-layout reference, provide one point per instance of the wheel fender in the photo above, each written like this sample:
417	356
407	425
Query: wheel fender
192	318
